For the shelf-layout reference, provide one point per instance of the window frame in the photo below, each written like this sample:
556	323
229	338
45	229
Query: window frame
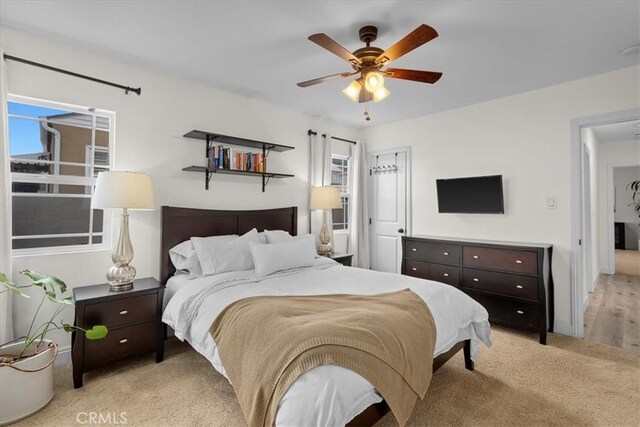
346	194
21	177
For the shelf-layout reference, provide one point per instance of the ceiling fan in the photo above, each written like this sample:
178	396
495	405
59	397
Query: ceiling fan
369	62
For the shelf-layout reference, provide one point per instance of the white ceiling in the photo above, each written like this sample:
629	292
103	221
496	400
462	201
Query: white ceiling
486	49
618	132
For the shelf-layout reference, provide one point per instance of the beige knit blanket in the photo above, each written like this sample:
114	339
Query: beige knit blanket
265	343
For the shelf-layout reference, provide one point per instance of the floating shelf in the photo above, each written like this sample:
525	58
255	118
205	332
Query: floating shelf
212	138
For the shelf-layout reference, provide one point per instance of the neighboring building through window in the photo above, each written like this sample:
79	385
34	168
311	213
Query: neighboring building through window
56	153
340	179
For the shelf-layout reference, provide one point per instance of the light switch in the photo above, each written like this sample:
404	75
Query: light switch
552	203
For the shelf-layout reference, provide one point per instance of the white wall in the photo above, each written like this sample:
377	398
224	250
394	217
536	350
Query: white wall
590	140
149	131
526	138
622	176
611	153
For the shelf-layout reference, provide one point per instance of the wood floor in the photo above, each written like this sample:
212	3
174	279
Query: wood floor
613	314
628	262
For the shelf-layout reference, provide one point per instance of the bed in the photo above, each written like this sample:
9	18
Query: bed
328	395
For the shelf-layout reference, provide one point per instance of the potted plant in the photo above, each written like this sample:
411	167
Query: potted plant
635	187
26	363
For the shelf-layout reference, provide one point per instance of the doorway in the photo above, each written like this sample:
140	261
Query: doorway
610	262
389	207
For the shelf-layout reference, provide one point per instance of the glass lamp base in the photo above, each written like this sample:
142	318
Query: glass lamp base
120	277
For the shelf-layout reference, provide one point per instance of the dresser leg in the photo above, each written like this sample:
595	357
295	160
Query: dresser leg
77	378
468	363
543	337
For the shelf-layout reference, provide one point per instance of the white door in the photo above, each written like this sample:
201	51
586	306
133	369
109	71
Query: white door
387	209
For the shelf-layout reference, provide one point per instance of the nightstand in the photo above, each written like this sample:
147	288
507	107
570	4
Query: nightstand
133	318
344	259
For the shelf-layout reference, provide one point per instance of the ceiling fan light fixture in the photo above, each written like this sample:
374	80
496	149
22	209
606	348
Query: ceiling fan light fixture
373	81
381	94
353	90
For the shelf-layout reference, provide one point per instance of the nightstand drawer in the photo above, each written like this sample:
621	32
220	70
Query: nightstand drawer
120	344
425	270
431	251
501	283
500	259
122	311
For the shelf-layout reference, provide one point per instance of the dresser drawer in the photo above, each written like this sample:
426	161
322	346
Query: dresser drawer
120	344
434	252
516	261
510	313
122	311
501	283
425	270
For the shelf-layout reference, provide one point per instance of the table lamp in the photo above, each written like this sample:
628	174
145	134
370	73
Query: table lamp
123	190
325	198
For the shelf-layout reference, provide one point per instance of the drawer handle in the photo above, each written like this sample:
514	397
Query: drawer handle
476	257
124	312
414	269
475	279
519	286
518	261
414	249
520	312
123	340
445	253
446	274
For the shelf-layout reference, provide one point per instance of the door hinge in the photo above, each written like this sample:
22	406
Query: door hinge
579	242
369	172
369	221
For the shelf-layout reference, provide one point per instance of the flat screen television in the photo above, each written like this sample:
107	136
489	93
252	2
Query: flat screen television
478	195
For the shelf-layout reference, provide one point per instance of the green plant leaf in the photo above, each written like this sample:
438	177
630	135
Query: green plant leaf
11	287
67	327
45	282
54	298
98	332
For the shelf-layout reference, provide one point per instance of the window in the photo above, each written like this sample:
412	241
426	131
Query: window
340	178
56	153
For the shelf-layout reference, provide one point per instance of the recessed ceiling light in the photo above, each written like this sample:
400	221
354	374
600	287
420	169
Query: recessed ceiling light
631	50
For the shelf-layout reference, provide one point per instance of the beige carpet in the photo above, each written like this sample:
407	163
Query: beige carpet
518	382
628	262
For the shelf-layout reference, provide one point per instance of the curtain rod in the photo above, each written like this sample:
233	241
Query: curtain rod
310	132
126	89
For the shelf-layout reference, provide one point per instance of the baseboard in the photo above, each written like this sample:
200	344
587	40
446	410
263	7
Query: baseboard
564	328
64	355
585	303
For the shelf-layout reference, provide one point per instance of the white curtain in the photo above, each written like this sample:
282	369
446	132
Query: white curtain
359	209
320	176
6	321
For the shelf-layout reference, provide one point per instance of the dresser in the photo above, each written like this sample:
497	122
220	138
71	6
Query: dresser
513	281
133	318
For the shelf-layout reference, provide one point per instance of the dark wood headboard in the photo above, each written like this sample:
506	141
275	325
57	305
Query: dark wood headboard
180	224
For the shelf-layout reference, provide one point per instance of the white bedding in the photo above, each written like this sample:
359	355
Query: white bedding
327	395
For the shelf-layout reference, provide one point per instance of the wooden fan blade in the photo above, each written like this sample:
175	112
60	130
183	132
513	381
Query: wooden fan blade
415	75
364	95
414	39
334	47
325	79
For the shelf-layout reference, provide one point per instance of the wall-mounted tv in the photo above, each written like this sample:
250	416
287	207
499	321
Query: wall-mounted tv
479	195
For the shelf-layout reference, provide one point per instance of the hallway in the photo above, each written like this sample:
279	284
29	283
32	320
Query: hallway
613	314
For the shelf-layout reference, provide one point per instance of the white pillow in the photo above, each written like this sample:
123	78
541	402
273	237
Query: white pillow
277	236
272	257
217	256
184	256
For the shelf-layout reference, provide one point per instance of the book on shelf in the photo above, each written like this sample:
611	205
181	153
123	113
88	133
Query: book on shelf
220	157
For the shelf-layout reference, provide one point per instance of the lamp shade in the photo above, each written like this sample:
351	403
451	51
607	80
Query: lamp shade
129	190
325	198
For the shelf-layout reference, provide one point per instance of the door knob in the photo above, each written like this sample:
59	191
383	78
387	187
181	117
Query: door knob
400	230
